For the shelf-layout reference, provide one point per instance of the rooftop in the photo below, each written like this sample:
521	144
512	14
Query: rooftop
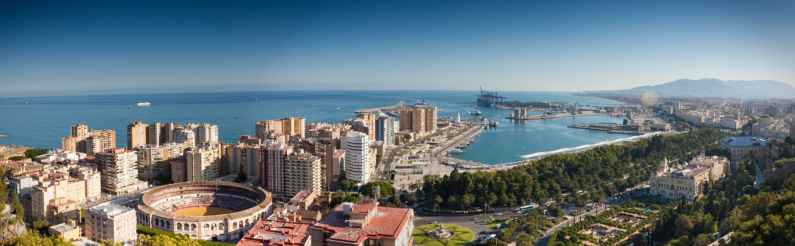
63	228
384	222
690	171
267	232
109	209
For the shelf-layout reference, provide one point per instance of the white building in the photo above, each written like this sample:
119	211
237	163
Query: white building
60	156
206	134
689	183
358	160
59	193
203	163
111	222
119	170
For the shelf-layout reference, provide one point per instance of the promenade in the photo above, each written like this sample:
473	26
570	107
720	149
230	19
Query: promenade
428	156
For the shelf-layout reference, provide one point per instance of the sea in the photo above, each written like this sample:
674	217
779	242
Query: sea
42	121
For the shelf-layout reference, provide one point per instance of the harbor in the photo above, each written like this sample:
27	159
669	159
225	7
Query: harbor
610	128
549	115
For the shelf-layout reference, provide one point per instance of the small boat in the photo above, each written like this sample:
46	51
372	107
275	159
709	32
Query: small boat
143	104
475	113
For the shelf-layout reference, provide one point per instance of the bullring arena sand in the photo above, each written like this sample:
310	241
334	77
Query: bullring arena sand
201	211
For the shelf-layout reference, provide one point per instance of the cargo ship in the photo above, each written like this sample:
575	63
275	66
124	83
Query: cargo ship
489	99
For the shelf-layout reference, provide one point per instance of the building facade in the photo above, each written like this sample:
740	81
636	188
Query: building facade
111	222
420	119
203	163
289	127
364	223
136	134
63	191
275	161
689	183
301	173
119	169
385	129
358	159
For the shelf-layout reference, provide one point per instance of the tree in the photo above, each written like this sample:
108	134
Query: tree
349	185
556	211
467	200
437	202
602	171
33	238
452	202
32	153
491	198
385	189
3	194
18	209
702	240
683	225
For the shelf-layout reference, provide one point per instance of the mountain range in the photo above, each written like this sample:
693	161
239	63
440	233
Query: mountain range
745	89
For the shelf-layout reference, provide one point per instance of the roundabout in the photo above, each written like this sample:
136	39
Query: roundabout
442	235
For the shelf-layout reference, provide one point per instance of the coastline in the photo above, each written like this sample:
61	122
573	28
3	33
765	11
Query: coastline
529	158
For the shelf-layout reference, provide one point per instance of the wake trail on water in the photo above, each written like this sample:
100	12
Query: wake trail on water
588	146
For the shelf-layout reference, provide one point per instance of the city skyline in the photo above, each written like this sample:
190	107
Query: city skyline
139	47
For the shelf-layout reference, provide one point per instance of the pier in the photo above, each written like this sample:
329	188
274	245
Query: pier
473	130
549	116
609	128
390	108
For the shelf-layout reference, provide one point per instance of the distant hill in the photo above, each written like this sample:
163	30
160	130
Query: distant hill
747	89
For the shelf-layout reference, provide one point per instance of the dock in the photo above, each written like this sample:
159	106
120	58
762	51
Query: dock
548	116
609	128
394	107
461	139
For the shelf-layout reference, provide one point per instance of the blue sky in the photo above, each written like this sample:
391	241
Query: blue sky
59	47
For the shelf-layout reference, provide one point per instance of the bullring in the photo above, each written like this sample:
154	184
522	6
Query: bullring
207	210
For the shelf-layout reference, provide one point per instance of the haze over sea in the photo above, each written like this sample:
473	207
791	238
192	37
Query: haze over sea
42	121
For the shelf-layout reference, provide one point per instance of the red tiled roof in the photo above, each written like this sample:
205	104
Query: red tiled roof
363	208
275	233
386	222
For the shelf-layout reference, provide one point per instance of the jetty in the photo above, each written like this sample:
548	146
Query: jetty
464	138
549	116
609	128
389	108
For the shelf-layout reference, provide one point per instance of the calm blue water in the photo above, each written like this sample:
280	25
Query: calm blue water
42	121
